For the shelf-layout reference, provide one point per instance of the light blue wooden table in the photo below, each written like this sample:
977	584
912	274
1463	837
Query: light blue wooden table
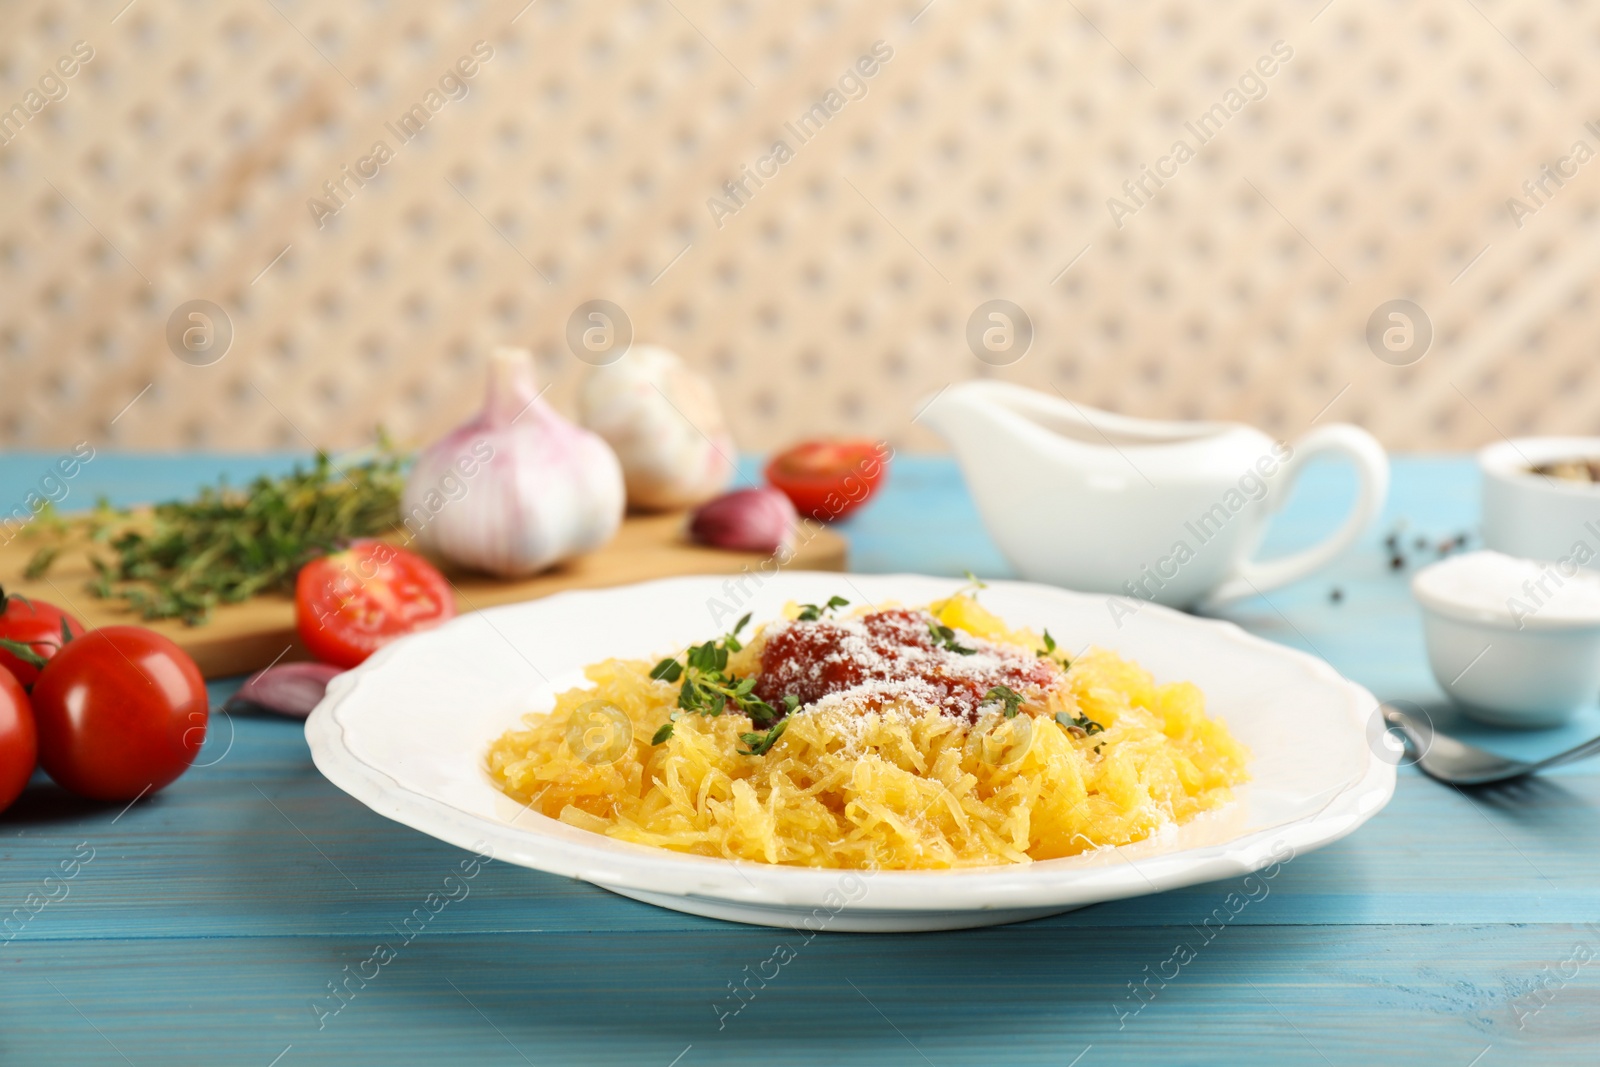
206	925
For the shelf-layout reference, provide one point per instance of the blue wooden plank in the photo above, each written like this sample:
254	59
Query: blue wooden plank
1018	995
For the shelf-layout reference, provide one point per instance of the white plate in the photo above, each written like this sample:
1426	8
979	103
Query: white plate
406	733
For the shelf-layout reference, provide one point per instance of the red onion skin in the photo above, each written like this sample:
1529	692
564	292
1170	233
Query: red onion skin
745	520
289	689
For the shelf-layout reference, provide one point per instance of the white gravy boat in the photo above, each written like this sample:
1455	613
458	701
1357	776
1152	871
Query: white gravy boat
1164	511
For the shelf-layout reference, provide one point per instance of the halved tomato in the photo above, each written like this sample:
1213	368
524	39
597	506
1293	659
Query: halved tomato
349	604
828	480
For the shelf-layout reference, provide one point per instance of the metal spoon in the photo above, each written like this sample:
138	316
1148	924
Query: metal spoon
1458	763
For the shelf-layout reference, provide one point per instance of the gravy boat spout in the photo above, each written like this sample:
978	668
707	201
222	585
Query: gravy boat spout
1169	512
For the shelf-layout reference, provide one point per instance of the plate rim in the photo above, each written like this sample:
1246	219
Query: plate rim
624	865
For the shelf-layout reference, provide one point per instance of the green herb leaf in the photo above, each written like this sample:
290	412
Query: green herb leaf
813	612
761	744
668	670
40	561
1003	694
662	734
1081	726
945	637
1051	651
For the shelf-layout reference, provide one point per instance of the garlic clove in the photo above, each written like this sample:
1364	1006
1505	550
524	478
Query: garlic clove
516	488
664	422
291	689
746	520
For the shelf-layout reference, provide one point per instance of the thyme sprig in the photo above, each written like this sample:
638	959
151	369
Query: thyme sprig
1050	651
706	688
812	612
183	558
761	743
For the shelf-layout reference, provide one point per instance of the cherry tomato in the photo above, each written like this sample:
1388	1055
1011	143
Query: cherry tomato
34	623
19	740
828	480
121	711
349	604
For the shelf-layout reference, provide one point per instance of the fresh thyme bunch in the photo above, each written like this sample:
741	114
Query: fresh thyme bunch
183	558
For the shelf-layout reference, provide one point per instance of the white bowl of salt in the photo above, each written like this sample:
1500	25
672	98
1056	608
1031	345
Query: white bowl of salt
1515	642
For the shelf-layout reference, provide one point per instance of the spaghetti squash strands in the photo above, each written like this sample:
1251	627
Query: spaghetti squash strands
900	758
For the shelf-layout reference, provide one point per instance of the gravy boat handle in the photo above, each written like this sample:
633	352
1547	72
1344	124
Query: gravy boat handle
1372	471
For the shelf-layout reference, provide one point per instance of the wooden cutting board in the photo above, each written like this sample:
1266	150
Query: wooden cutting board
240	638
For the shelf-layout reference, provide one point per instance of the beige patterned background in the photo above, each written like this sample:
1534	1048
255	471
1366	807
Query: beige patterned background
1379	162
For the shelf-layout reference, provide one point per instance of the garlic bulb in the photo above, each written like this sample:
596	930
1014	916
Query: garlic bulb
664	421
518	487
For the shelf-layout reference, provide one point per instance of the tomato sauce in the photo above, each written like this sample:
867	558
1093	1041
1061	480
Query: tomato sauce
892	656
